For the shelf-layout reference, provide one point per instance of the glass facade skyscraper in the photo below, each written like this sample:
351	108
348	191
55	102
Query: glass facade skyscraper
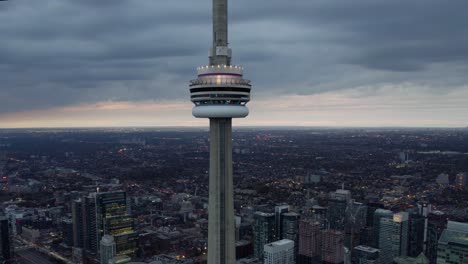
113	219
264	229
393	237
378	215
453	244
337	205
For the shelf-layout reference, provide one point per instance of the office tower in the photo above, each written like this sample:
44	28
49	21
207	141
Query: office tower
107	249
356	215
371	208
453	244
78	224
365	255
318	212
424	209
112	218
310	240
332	247
378	215
290	228
220	94
5	242
437	222
106	214
279	252
404	157
90	236
264	229
279	211
337	204
67	231
393	237
416	234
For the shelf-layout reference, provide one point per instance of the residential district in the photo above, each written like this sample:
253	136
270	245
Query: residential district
305	195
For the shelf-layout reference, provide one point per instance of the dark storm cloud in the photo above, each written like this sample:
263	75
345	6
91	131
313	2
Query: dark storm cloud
65	52
395	35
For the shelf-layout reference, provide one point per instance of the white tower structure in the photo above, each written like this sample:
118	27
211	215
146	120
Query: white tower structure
108	249
279	252
220	94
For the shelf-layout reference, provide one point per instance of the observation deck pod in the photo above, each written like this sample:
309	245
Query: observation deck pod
220	92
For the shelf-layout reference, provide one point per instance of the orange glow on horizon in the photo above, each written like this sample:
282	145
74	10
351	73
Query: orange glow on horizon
390	107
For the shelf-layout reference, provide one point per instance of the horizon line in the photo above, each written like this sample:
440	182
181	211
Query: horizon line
239	126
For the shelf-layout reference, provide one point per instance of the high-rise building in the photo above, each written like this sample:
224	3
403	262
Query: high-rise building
319	213
416	234
424	209
264	229
367	235
404	157
356	215
437	222
332	247
378	215
453	244
310	241
113	219
5	242
365	255
106	214
279	211
107	249
393	237
337	204
90	236
78	224
290	228
220	93
67	231
279	252
371	208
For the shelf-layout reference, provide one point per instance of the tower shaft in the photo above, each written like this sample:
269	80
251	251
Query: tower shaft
221	233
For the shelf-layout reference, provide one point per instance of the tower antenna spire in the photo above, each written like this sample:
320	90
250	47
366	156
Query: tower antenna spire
220	53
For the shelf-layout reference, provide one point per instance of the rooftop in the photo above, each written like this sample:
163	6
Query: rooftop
280	243
456	233
366	249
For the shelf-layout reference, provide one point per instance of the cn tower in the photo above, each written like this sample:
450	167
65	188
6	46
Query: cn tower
220	94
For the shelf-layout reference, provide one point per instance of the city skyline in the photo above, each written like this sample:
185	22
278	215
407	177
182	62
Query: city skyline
301	196
326	63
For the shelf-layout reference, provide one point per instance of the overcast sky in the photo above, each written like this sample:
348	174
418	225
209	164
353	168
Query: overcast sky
312	62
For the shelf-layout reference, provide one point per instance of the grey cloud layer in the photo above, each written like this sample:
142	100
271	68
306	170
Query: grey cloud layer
65	52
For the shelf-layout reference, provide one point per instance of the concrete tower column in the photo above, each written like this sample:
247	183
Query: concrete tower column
221	233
